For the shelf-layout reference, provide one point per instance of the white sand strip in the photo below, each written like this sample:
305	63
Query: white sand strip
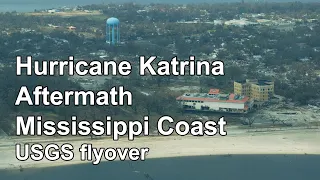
287	142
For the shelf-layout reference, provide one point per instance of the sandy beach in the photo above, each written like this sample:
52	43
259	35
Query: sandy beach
299	142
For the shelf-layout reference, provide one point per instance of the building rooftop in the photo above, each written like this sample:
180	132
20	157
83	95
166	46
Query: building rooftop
263	82
260	82
214	91
214	97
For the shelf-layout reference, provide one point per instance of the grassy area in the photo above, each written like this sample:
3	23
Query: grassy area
87	35
48	29
99	17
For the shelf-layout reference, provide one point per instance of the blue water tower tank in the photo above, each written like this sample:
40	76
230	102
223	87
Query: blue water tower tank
113	21
113	31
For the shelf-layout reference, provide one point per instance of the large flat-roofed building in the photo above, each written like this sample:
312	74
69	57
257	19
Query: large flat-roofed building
214	101
259	90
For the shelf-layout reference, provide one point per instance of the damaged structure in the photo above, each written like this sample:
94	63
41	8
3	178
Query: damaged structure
216	102
261	91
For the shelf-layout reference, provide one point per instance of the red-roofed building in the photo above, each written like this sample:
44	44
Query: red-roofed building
216	102
214	91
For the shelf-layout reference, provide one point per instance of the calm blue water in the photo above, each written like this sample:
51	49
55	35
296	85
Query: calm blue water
31	5
235	167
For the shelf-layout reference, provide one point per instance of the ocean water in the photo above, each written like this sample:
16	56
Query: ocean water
31	5
232	167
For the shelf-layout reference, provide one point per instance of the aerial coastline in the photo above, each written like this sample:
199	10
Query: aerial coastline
257	118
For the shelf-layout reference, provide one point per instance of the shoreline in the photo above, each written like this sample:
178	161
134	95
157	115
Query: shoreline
304	142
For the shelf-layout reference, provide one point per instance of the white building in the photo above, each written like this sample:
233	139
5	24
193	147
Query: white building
218	22
240	22
214	101
53	10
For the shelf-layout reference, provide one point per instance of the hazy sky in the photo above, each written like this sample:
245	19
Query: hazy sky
31	5
142	1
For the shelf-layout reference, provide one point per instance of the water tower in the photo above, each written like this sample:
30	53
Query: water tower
113	31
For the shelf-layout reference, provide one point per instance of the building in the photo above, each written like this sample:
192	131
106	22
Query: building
216	102
72	28
113	31
53	10
239	22
259	90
